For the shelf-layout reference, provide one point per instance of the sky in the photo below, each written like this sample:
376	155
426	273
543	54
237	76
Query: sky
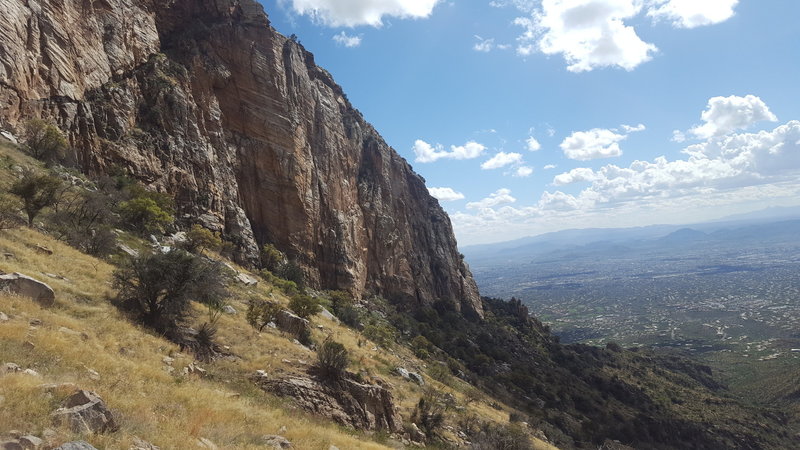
532	116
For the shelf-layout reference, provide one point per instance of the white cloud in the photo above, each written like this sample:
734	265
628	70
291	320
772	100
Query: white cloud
445	194
347	40
426	153
502	159
678	136
532	144
549	166
634	128
350	13
588	33
523	171
593	144
692	13
483	45
724	115
499	197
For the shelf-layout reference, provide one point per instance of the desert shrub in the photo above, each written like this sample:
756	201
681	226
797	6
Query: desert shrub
422	347
44	141
158	288
199	239
287	287
144	215
380	333
36	191
9	212
84	220
429	412
332	359
501	437
292	272
261	312
304	305
350	316
271	258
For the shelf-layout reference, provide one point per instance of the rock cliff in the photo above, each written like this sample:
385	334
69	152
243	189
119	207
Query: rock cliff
204	100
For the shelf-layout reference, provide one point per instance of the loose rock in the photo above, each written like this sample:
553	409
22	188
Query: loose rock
85	412
30	442
276	441
25	286
77	445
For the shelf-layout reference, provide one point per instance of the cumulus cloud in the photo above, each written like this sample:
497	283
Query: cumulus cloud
588	33
523	171
724	115
350	13
532	144
633	128
347	40
499	197
549	167
593	34
445	194
593	144
502	159
427	153
692	13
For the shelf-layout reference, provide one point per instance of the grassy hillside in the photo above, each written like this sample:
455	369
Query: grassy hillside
84	340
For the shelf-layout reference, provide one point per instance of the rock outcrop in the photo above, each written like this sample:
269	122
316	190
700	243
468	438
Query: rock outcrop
85	412
347	401
203	99
25	286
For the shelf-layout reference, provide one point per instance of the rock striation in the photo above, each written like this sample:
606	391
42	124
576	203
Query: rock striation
204	100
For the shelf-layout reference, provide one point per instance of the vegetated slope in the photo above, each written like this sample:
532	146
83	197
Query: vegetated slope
86	342
204	100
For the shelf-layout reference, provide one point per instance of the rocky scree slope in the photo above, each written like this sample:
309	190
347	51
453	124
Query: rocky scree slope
203	99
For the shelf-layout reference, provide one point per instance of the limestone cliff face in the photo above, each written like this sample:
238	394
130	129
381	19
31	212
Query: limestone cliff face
204	100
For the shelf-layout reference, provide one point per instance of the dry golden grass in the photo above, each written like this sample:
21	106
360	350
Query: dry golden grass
83	332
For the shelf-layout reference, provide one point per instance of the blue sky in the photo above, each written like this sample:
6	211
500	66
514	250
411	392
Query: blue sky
642	111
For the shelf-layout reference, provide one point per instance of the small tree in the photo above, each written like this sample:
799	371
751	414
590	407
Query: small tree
144	215
83	219
292	272
260	313
332	359
44	140
36	192
199	239
158	288
271	258
304	305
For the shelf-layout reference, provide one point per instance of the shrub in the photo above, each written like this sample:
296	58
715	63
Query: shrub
261	312
292	272
422	347
9	212
429	412
158	288
271	258
332	359
304	305
286	286
44	141
83	219
199	239
381	334
350	316
144	215
37	191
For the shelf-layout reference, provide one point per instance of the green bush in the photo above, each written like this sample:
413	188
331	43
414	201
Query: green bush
332	359
144	215
271	258
422	347
304	305
261	312
44	141
84	220
381	334
199	239
287	287
37	191
292	272
158	288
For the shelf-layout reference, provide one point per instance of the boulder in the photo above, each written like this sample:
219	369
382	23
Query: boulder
76	445
139	444
416	378
228	309
30	442
11	445
291	323
328	315
25	286
85	412
346	400
275	441
246	279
